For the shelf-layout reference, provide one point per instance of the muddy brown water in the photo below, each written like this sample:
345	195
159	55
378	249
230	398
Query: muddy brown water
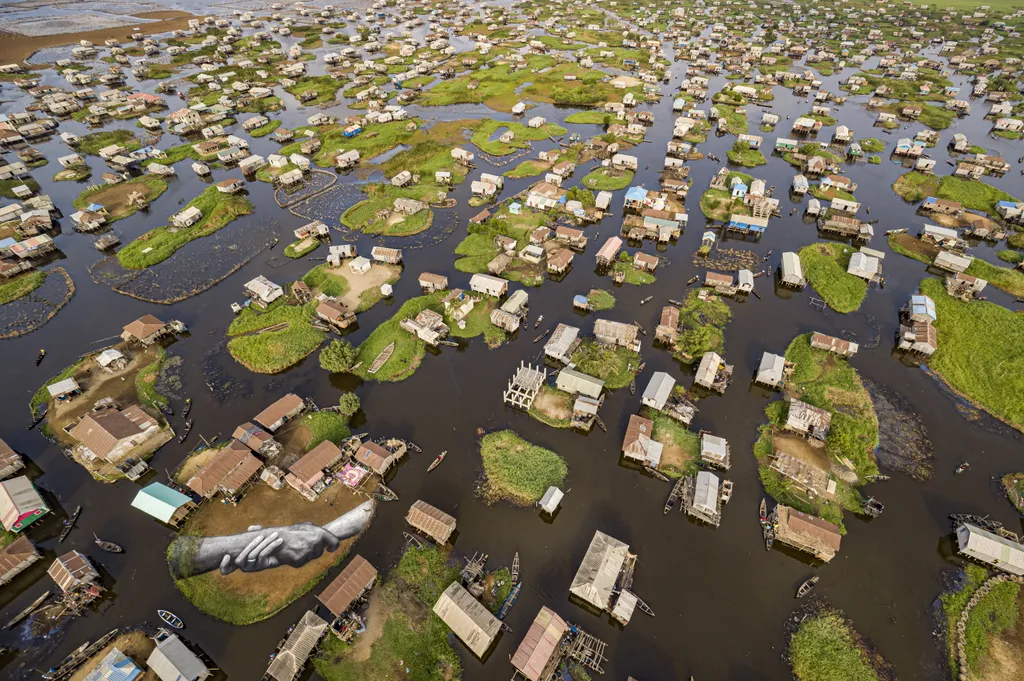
721	600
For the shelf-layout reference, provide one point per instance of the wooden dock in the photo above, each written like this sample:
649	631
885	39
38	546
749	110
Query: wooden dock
588	650
79	657
383	357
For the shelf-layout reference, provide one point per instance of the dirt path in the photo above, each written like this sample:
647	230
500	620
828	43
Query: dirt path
135	645
358	283
553	405
375	617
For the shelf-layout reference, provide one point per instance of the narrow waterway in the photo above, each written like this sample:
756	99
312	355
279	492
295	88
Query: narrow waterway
721	600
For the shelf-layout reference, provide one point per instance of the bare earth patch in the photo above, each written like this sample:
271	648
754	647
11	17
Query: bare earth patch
98	384
802	449
916	245
553	405
16	47
135	645
1005	659
375	619
358	283
674	456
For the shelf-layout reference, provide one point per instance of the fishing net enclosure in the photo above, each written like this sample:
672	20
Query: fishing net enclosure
196	267
32	311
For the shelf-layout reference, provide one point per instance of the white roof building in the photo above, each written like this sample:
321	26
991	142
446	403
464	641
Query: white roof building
468	618
991	549
264	290
658	390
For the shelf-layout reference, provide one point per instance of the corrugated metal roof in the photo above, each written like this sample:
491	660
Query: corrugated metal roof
540	644
659	389
355	579
599	570
468	618
159	501
297	648
171	660
433	521
705	495
991	548
572	381
17	497
549	502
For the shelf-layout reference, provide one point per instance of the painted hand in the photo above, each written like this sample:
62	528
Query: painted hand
294	545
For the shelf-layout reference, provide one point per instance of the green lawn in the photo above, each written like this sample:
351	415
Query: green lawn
1009	280
518	471
979	352
973	194
825	265
611	365
488	128
146	379
600	179
527	168
20	286
325	425
273	352
702	327
591	117
424	158
601	300
826	648
265	129
414	643
915	186
161	243
92	143
293	249
364	215
325	282
374	140
6	186
823	380
409	350
872	145
742	155
633	276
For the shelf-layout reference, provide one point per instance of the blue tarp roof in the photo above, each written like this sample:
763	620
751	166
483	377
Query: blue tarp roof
1007	204
922	305
636	194
95	207
115	667
580	299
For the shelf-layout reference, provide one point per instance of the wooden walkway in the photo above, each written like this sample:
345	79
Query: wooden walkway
383	357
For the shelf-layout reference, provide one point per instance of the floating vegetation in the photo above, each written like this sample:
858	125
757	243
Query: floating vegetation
729	260
168	383
185	273
903	443
32	311
221	385
316	182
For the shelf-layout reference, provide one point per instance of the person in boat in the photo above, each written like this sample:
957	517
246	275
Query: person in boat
265	548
